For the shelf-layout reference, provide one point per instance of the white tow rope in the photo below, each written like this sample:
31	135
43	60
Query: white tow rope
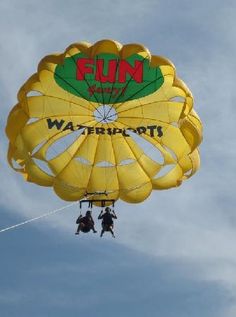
39	217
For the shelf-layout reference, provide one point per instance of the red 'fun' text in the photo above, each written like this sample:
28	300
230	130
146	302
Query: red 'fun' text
116	70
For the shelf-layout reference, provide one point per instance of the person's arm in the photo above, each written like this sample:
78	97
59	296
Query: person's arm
114	215
78	219
100	215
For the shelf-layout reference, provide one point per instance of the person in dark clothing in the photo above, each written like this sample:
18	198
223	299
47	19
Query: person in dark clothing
86	223
107	221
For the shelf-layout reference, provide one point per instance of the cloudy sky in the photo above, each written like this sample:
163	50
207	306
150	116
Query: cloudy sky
185	263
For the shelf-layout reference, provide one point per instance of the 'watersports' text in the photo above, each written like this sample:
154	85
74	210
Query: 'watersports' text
150	130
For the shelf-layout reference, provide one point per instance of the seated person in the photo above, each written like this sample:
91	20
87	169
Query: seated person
107	221
86	223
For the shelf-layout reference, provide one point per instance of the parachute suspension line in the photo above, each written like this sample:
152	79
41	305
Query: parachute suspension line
103	103
87	82
67	146
69	84
129	81
113	206
90	204
117	66
80	208
37	218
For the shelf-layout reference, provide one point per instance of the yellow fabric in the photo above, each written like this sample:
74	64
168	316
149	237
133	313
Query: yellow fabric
101	160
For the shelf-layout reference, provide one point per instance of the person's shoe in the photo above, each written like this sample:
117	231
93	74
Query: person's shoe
94	231
76	232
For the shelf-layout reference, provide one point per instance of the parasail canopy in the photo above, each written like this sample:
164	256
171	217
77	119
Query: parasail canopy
110	120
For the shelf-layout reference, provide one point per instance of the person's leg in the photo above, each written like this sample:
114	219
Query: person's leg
111	230
103	229
93	228
80	227
91	225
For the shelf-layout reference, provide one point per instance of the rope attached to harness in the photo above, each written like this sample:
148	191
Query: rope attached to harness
37	218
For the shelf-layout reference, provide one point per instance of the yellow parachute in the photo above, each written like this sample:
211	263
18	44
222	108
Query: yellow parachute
105	119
